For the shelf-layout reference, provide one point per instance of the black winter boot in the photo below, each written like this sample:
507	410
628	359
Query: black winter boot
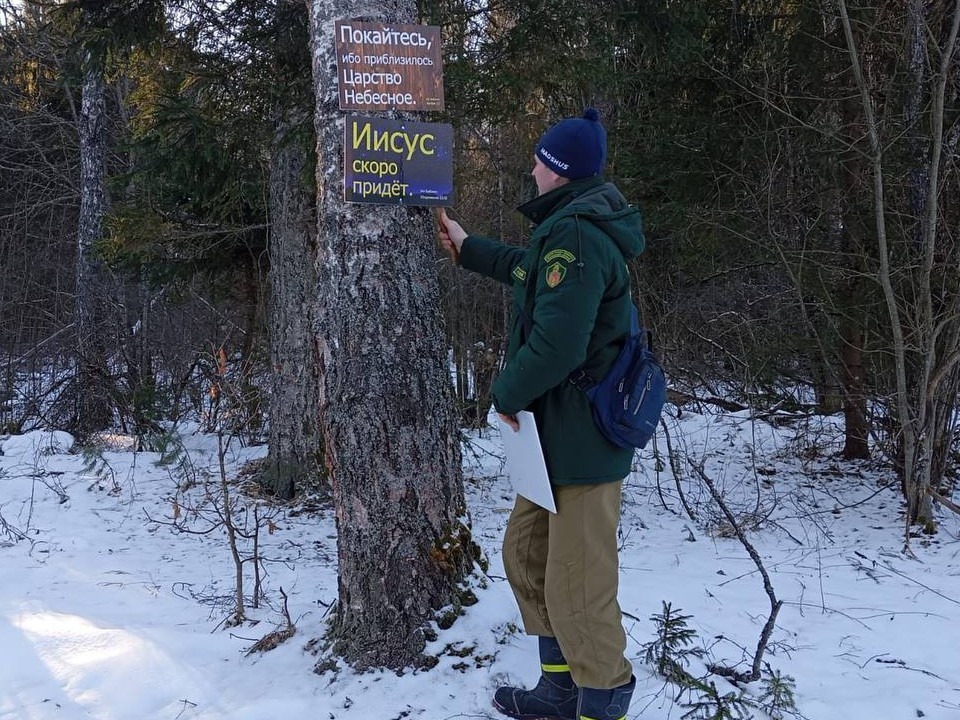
554	697
605	704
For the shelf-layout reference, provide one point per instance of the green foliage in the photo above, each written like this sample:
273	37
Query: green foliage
197	142
670	651
110	28
709	704
143	405
175	458
170	449
96	464
205	109
777	697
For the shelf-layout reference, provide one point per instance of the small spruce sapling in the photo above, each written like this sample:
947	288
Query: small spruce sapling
777	696
669	651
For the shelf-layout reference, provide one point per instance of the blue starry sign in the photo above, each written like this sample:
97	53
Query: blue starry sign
397	162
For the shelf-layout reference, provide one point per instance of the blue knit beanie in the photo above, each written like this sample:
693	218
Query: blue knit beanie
575	148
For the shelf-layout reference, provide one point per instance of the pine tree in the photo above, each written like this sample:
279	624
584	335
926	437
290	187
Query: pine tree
390	440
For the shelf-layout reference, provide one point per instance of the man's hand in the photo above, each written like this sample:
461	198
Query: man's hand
450	234
510	420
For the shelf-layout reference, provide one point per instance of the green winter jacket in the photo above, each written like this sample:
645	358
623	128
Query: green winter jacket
572	282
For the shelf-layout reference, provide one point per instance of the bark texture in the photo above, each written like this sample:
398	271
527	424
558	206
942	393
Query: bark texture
94	407
294	442
391	444
856	426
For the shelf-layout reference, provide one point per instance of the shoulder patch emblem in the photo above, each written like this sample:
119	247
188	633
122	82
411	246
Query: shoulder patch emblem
559	254
519	273
555	274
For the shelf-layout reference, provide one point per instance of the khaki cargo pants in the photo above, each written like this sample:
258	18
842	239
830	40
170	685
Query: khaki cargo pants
564	570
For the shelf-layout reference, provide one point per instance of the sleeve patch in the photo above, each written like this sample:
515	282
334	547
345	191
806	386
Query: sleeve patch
555	274
559	254
519	273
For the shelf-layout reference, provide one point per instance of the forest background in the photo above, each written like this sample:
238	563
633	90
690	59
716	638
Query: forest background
174	243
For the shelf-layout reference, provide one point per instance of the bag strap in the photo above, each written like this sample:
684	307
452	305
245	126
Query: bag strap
584	381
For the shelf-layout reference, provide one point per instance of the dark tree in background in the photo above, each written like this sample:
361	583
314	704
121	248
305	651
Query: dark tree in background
93	286
99	31
275	41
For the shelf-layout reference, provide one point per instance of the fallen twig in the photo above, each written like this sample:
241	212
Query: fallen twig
946	502
892	569
276	638
775	604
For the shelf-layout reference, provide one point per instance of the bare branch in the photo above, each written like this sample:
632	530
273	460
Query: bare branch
775	604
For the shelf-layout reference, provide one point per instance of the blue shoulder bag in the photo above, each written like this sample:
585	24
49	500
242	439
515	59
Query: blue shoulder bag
628	400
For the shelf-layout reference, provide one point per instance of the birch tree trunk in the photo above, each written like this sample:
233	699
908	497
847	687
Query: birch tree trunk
93	403
391	445
294	442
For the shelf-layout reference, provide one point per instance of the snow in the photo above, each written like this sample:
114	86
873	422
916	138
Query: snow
108	612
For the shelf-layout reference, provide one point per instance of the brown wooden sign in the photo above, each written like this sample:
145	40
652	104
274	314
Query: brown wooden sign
388	67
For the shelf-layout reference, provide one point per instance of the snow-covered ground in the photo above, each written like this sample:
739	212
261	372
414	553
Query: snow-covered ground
107	612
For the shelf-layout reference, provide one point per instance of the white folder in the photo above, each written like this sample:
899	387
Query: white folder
524	463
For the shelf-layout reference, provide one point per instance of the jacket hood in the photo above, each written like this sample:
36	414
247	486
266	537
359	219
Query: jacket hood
598	202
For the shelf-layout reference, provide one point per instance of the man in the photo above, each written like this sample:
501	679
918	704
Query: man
571	310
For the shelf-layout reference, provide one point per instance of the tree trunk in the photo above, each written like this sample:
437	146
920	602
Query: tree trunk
921	508
917	139
140	376
136	339
295	441
856	427
390	439
923	362
944	422
94	411
939	316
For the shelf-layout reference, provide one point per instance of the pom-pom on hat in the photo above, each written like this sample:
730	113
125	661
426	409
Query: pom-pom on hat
575	148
